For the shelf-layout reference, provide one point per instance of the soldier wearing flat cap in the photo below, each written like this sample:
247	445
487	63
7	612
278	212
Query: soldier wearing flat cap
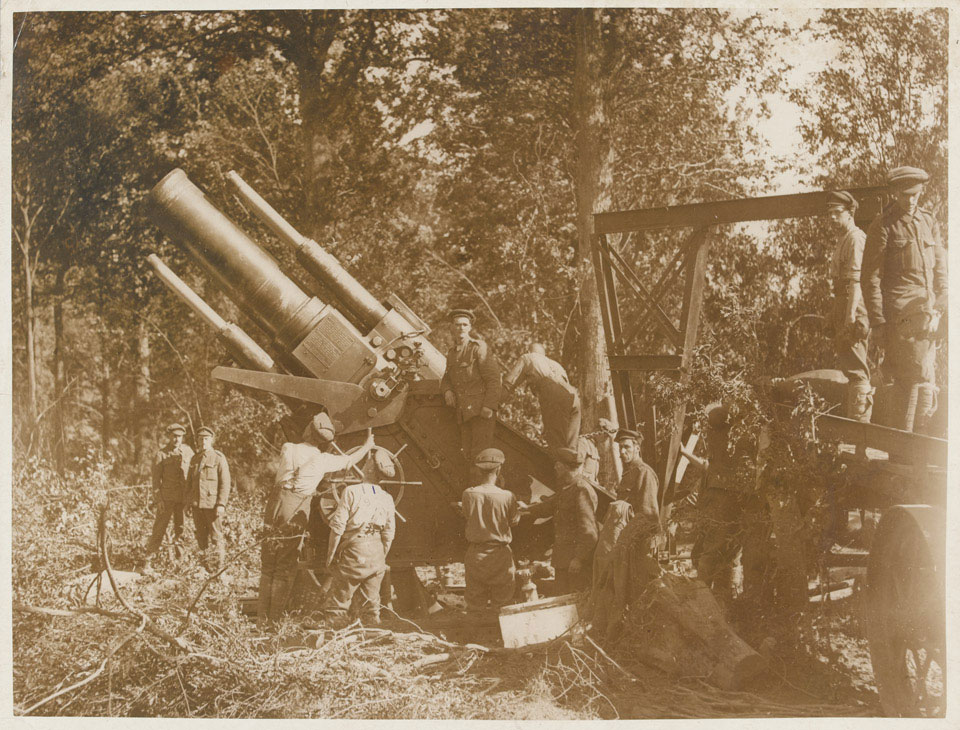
209	485
301	469
170	468
574	510
471	384
639	484
850	322
490	514
904	286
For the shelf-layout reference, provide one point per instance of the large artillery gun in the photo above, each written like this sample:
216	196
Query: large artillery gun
367	364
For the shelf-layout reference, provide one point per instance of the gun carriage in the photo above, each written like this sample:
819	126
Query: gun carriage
368	364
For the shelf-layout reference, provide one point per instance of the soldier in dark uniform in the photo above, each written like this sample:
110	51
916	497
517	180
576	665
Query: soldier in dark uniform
574	510
904	286
719	509
559	401
169	474
209	484
850	322
471	384
639	484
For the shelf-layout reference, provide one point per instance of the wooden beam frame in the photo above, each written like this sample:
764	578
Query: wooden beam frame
699	215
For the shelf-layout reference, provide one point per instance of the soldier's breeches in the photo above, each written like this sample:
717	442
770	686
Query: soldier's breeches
358	569
490	576
165	510
476	434
911	362
719	563
209	529
278	568
852	357
560	411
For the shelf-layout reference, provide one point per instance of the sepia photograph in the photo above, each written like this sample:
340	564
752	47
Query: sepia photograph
541	363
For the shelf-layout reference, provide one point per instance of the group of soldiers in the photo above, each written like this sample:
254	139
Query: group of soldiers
199	482
891	281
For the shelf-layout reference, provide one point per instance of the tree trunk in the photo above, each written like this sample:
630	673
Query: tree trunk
59	373
142	391
594	180
105	386
29	317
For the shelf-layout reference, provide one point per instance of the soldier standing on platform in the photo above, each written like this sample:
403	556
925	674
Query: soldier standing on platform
170	468
559	401
850	322
471	384
574	510
490	512
209	484
639	485
904	286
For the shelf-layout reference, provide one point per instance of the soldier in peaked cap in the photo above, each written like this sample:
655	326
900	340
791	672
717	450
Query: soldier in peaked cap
490	514
169	474
301	469
574	510
904	285
209	485
850	321
471	384
639	484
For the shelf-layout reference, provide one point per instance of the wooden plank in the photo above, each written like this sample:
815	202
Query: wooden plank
690	321
928	449
621	266
606	291
645	362
773	207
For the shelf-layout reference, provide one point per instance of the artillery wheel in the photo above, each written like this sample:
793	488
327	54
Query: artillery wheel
330	498
906	611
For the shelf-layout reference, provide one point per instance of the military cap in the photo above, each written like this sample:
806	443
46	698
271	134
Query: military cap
906	179
454	313
205	431
176	428
570	457
842	199
322	426
717	414
489	459
384	462
626	434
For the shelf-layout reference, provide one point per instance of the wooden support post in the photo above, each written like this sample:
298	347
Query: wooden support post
610	313
689	323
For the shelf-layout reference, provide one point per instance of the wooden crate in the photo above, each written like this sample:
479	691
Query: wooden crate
538	621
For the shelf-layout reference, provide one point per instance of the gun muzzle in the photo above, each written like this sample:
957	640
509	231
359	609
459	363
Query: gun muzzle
250	275
240	345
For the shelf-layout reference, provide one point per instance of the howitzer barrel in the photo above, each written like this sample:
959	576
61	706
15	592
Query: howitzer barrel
241	346
250	275
322	265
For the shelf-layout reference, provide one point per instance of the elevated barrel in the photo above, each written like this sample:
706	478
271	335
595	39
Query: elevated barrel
250	275
240	345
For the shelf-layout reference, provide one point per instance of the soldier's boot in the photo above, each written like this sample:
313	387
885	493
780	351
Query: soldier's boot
909	393
926	406
280	591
